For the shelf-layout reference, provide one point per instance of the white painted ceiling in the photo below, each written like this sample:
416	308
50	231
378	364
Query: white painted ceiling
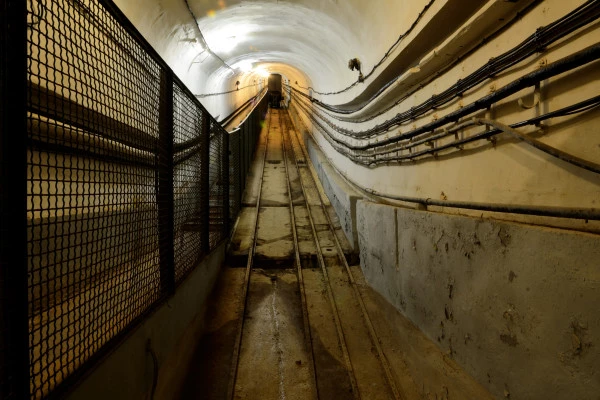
309	41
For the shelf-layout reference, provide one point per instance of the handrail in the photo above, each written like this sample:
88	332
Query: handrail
249	113
225	121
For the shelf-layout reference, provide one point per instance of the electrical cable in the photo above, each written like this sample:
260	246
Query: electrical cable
373	159
553	151
201	96
385	56
566	64
546	211
539	40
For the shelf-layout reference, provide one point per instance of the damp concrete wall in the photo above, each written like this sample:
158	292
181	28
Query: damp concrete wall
171	331
513	304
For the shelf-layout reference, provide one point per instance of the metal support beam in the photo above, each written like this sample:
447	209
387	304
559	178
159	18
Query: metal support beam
14	329
204	183
225	179
165	185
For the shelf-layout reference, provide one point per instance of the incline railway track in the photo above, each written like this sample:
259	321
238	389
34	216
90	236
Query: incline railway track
291	317
351	373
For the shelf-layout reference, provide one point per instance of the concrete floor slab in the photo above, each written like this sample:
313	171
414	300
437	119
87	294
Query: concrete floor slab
421	369
274	188
332	376
273	346
241	239
363	355
210	368
274	237
275	353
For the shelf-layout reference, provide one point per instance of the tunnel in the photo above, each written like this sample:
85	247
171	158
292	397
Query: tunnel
300	199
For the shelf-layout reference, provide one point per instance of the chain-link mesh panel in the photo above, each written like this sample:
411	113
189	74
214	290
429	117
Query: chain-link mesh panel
13	300
235	171
189	210
217	200
93	125
128	185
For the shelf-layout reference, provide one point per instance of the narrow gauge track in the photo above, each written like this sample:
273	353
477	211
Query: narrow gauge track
249	264
340	256
314	340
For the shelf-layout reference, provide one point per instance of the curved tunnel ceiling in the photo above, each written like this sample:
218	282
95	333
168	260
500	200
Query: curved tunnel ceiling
211	44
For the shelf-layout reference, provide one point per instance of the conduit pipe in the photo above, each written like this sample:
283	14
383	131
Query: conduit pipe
566	64
571	159
591	214
542	38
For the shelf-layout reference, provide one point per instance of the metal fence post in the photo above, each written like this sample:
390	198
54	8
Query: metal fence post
243	154
165	185
225	179
204	183
14	330
241	183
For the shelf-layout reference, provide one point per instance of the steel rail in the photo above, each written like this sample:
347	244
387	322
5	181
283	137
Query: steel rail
305	317
398	395
335	312
235	360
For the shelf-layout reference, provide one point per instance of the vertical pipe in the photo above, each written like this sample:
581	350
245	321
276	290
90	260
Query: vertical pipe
14	330
204	183
165	185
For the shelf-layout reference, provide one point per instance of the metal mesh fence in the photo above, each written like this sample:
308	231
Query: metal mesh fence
14	364
93	125
127	188
218	186
235	193
189	164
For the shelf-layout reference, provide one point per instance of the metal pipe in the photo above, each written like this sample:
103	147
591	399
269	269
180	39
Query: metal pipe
571	159
547	211
566	64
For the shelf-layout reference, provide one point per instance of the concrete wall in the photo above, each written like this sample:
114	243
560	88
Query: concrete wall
342	196
310	42
173	331
508	172
514	304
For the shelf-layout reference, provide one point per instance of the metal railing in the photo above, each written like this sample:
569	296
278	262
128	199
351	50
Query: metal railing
116	183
